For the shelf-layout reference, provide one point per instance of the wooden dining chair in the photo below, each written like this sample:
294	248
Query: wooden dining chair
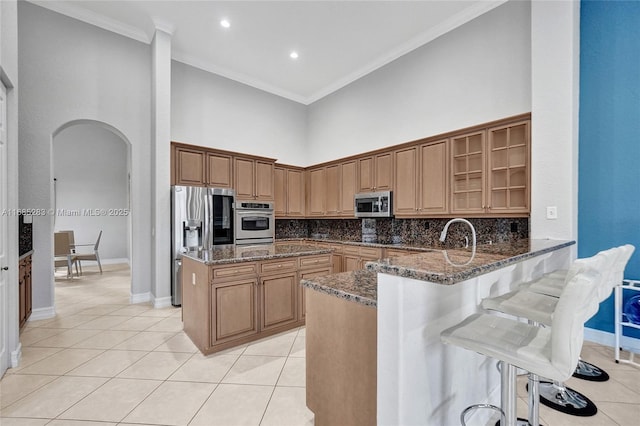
62	255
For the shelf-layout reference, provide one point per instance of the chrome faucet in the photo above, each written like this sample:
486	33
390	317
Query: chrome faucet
443	235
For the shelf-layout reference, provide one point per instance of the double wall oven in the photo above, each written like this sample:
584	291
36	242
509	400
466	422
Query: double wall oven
255	223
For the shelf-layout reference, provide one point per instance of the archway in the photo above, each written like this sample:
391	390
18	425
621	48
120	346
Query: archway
91	188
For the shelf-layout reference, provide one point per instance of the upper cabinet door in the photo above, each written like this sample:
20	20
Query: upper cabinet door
189	167
433	183
264	180
375	173
348	185
219	170
280	191
508	168
295	192
405	195
332	190
253	179
244	178
468	173
317	191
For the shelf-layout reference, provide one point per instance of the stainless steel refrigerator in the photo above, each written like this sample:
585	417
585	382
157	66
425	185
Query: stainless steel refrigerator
201	218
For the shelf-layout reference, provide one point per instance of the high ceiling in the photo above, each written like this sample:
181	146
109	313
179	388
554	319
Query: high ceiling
337	41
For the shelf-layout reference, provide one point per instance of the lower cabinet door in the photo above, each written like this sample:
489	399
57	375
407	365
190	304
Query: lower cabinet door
279	300
234	310
351	262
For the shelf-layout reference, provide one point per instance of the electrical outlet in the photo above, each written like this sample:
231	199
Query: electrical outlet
514	227
552	212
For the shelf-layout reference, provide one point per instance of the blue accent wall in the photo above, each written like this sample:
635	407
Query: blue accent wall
609	151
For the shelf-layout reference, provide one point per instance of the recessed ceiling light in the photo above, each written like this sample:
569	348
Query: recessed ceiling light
293	55
225	23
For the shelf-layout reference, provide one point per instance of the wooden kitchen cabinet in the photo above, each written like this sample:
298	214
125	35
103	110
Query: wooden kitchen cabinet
333	176
227	305
355	257
490	170
254	179
317	192
234	311
189	166
279	299
348	187
289	191
196	166
332	189
25	287
279	191
375	172
508	168
219	170
468	173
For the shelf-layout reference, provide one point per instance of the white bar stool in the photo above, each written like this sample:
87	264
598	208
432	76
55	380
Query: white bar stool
549	352
527	303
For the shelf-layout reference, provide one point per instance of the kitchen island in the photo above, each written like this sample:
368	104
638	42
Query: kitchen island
418	380
236	294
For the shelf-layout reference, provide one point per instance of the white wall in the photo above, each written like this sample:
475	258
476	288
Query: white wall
90	167
70	70
555	53
213	111
476	73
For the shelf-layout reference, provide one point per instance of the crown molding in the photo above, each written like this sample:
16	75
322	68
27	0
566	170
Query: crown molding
96	19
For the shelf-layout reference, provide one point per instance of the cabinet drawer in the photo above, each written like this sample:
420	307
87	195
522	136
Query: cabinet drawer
397	253
370	252
309	261
278	266
234	271
351	250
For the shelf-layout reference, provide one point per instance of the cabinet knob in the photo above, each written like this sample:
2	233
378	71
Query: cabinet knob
6	268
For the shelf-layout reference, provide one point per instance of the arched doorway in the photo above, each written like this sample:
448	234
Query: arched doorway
91	189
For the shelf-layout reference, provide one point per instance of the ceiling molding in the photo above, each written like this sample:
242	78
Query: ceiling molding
444	27
238	77
96	19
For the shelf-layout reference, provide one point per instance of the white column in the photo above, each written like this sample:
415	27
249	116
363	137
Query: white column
160	166
555	66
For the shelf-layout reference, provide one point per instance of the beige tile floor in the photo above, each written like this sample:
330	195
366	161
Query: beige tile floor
102	361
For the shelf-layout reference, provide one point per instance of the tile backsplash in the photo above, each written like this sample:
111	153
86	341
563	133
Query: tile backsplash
423	232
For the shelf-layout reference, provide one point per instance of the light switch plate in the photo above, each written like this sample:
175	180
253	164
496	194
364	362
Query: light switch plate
552	212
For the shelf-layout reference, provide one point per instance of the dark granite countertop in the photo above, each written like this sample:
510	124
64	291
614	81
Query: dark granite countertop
238	254
358	243
432	265
357	286
453	266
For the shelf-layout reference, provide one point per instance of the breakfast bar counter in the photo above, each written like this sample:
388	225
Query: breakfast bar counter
396	309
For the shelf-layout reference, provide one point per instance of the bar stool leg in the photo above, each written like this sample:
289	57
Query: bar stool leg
507	392
534	399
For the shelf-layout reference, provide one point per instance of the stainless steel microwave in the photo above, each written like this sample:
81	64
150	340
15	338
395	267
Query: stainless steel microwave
374	204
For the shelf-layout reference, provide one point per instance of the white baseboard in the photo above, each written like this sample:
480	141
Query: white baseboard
115	261
42	313
139	297
161	302
16	356
609	339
